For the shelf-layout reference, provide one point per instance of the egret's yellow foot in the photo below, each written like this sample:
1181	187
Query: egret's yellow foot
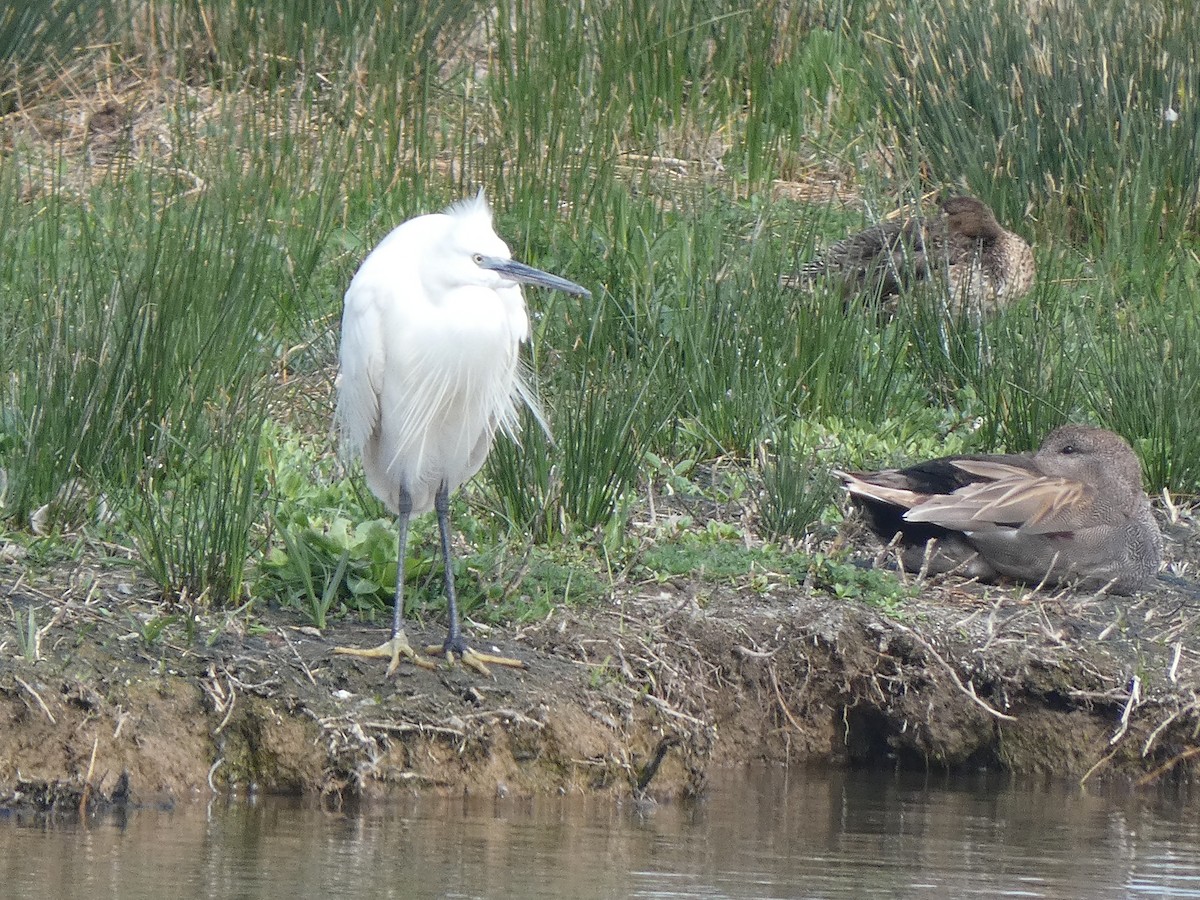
475	660
397	647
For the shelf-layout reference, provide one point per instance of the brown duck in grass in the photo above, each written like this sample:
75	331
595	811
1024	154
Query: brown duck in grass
1074	512
983	265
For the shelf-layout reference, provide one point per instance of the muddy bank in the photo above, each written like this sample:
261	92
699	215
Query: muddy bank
649	692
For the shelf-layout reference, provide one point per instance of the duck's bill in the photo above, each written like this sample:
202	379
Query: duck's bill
524	274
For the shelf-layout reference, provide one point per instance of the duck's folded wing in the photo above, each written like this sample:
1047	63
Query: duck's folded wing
875	486
994	469
1031	504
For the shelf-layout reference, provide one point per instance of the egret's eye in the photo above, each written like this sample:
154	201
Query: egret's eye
478	258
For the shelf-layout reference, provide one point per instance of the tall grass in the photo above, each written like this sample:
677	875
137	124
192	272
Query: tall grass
1085	112
136	346
145	315
1021	367
578	89
1143	363
197	500
796	488
635	148
39	41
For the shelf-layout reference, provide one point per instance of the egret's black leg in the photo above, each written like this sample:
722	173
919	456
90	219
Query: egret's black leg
454	644
454	641
398	645
405	513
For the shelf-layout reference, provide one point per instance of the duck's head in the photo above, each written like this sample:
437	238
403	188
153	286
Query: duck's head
970	217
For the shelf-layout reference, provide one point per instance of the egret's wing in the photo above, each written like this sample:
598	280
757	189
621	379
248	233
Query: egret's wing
360	378
446	391
526	392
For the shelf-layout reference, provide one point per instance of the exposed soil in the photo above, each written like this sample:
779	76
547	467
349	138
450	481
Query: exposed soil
644	695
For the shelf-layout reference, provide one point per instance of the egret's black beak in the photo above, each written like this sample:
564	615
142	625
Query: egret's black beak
524	274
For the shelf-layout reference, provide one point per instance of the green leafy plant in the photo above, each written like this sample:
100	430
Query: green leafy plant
28	637
797	487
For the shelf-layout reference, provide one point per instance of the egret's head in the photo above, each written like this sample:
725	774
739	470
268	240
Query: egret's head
472	254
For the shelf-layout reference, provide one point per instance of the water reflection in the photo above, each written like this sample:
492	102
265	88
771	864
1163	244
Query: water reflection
759	834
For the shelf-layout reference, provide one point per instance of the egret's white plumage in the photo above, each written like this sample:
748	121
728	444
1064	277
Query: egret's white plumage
430	355
430	366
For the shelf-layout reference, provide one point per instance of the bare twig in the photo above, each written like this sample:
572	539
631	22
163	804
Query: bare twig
299	658
1171	508
779	698
212	770
970	692
38	697
1167	766
1135	699
87	781
671	711
410	727
1100	762
222	702
1163	725
747	653
504	713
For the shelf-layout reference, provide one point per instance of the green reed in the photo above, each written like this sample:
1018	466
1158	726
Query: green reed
632	147
1067	108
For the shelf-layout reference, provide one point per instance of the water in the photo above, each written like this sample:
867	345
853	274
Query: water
758	834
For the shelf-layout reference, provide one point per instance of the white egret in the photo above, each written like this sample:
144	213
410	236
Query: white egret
431	332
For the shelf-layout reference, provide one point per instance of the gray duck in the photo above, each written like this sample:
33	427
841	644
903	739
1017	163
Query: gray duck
1073	512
